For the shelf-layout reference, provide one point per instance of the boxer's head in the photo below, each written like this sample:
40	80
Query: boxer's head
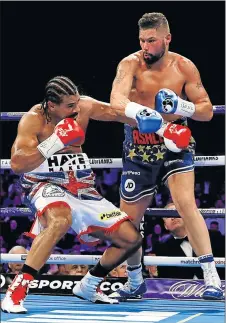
61	98
154	35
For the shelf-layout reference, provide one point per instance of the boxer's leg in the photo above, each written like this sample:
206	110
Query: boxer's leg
125	241
135	283
181	187
136	212
138	186
56	221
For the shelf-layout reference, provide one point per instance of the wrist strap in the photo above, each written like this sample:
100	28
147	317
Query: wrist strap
50	146
185	108
133	108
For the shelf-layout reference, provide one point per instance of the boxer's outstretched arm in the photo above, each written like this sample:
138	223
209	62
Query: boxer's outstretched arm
196	92
24	153
102	111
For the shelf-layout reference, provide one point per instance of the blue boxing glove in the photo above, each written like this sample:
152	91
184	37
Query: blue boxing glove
148	120
168	102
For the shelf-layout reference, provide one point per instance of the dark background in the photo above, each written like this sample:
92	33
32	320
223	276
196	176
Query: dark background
86	40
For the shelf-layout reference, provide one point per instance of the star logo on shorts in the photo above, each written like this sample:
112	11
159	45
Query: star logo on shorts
159	155
141	148
131	154
145	157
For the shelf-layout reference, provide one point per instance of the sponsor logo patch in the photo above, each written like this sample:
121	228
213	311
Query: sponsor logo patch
67	162
129	185
108	215
52	191
167	163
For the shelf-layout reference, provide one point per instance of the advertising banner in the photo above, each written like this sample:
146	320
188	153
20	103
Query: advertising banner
156	288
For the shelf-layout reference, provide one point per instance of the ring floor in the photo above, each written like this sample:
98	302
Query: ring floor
68	309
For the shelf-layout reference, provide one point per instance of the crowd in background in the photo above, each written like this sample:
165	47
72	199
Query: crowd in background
209	193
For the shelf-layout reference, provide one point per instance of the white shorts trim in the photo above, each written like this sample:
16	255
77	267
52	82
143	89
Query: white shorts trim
186	171
139	198
176	171
149	191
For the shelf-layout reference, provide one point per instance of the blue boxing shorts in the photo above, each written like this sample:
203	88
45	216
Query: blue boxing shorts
147	163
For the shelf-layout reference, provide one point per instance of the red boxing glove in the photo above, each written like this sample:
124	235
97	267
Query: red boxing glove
180	135
66	132
69	132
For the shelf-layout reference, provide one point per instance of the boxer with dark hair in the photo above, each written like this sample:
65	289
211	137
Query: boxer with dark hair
58	184
160	83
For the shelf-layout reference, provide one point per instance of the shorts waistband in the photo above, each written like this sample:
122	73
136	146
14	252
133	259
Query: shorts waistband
63	163
133	135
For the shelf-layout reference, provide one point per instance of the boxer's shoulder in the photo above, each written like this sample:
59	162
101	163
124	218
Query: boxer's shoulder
86	102
94	109
34	117
132	60
184	64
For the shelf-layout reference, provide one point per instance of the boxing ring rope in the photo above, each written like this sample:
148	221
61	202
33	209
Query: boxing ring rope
157	212
160	212
15	116
93	260
117	162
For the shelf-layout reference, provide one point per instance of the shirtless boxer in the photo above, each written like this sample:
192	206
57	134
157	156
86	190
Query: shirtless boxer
62	193
60	188
161	80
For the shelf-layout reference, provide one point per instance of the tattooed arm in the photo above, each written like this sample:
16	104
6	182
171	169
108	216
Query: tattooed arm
195	91
123	83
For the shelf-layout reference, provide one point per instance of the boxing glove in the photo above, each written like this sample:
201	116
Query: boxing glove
66	132
168	102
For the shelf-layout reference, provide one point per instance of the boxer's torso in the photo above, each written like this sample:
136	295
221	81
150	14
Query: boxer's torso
149	80
71	170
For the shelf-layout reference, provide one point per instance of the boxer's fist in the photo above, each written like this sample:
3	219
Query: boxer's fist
69	132
166	101
66	132
148	120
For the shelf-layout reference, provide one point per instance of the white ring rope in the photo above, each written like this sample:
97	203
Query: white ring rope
92	260
157	212
117	162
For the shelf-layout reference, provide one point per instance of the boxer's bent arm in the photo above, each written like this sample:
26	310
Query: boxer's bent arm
122	84
196	92
24	154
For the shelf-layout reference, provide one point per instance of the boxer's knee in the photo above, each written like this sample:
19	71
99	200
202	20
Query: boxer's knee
129	237
136	242
185	206
136	209
59	219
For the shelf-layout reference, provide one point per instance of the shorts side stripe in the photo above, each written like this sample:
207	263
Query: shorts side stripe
190	167
185	171
138	198
149	191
